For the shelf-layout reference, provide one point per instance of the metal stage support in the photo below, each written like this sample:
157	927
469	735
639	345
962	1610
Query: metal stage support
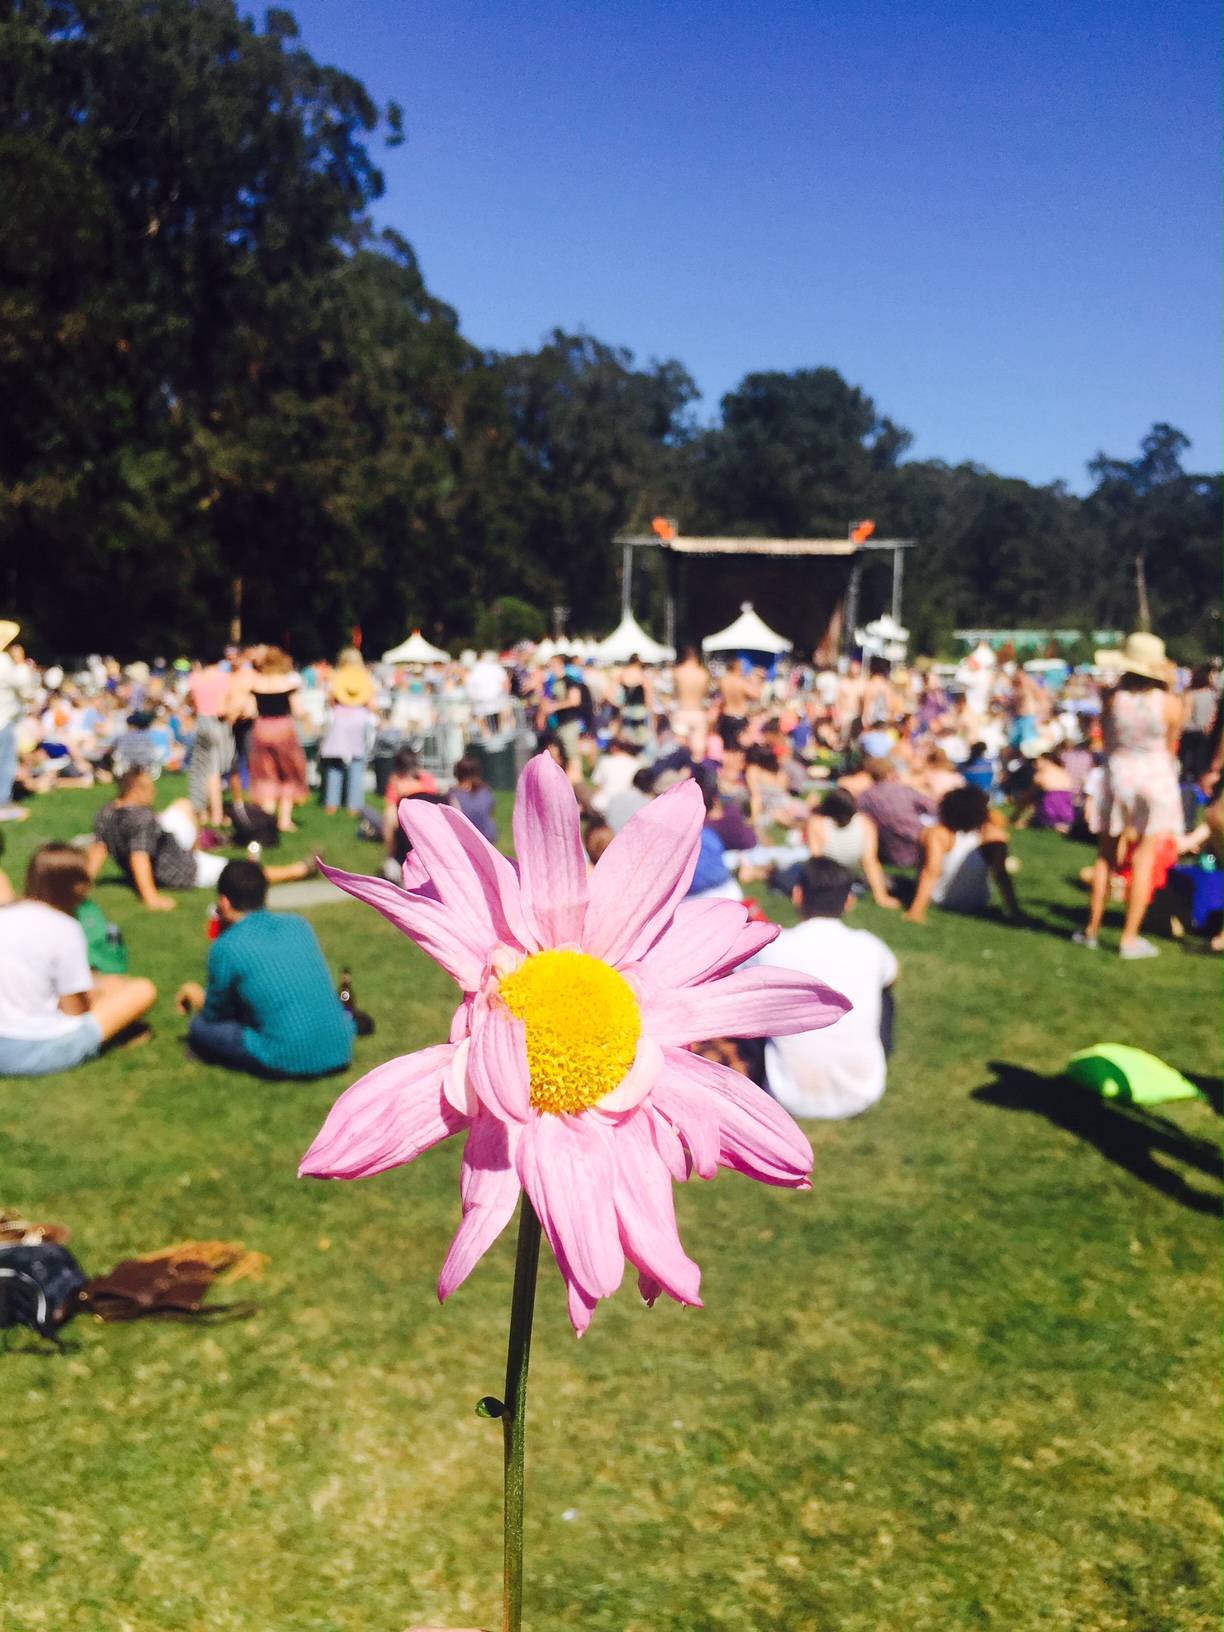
678	545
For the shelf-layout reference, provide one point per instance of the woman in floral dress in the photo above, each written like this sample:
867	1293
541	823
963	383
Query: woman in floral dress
1140	800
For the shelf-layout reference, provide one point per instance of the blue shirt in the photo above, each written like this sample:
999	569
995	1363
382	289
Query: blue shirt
268	972
711	868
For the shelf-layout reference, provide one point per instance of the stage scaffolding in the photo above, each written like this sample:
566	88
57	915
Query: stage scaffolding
679	547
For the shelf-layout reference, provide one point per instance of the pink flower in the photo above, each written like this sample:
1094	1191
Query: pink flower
568	1060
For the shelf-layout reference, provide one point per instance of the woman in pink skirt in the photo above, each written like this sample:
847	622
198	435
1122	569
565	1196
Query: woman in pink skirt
1140	799
277	762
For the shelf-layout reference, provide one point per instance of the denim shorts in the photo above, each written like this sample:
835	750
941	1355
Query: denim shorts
37	1056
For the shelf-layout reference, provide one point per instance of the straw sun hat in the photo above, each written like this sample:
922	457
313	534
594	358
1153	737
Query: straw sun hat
1141	654
352	686
8	632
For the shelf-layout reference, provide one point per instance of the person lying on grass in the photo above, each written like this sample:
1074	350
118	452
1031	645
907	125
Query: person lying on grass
271	1007
54	1012
962	852
159	852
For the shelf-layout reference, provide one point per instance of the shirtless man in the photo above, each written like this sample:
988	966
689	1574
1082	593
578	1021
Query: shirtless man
735	691
692	681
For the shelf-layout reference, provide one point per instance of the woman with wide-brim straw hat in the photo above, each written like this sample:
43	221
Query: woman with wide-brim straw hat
342	753
1140	799
15	688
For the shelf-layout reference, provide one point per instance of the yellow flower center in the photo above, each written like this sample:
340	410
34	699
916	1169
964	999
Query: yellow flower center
583	1025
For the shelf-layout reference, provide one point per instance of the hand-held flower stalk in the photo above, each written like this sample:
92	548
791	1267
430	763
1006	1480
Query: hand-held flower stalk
568	1063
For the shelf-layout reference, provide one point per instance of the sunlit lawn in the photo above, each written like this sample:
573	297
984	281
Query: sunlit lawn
970	1380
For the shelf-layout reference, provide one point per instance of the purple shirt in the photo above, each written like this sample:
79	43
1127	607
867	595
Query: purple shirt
897	811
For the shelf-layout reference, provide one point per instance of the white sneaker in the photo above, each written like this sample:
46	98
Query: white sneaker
1139	949
1082	938
13	813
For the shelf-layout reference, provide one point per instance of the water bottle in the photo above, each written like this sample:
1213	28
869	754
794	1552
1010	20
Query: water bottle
254	850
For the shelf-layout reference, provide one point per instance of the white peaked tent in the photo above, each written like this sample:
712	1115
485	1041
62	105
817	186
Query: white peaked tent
884	638
628	639
748	633
416	649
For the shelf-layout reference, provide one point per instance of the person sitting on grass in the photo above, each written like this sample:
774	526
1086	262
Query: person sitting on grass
54	1012
839	1071
965	849
158	852
271	1007
472	796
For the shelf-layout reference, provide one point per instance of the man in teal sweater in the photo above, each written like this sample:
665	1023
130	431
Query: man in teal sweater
271	1006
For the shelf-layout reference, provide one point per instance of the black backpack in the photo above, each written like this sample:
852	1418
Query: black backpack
39	1287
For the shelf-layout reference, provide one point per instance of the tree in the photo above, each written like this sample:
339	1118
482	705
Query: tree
795	456
183	188
596	438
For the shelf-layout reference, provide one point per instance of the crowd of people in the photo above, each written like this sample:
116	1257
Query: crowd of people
822	783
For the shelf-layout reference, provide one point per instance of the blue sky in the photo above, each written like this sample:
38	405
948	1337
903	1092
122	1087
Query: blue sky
1002	220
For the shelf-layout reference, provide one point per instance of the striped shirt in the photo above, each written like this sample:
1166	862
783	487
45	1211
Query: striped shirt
268	971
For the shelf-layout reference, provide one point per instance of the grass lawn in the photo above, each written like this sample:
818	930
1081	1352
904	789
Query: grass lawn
970	1380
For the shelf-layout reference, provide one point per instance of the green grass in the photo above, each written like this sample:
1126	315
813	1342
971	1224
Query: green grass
970	1380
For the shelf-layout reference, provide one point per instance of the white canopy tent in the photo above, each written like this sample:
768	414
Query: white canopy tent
416	649
748	633
629	639
884	638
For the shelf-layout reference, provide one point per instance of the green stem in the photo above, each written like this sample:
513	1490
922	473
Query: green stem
514	1419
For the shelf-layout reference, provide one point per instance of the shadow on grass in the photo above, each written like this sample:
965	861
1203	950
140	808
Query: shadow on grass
1126	1134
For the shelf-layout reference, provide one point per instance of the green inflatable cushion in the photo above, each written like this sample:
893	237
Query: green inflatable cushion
1116	1071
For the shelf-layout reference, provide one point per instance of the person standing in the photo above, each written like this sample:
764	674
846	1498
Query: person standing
342	753
278	762
1140	800
15	690
689	720
212	751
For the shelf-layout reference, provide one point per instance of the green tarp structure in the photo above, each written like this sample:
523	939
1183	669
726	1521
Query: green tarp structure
1116	1071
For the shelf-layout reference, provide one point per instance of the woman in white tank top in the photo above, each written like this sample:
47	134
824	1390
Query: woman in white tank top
964	850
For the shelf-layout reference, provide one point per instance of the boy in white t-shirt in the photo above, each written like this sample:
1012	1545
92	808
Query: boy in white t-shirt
838	1071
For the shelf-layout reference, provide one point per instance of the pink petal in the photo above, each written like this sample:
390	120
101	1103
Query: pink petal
497	1062
755	1135
671	1150
391	1115
643	874
461	1021
693	1113
455	1085
704	940
414	872
552	862
646	1213
581	1306
490	1189
445	935
471	877
748	1003
647	1063
567	1167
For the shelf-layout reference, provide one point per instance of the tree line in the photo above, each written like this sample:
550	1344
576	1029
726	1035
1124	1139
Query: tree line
216	376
